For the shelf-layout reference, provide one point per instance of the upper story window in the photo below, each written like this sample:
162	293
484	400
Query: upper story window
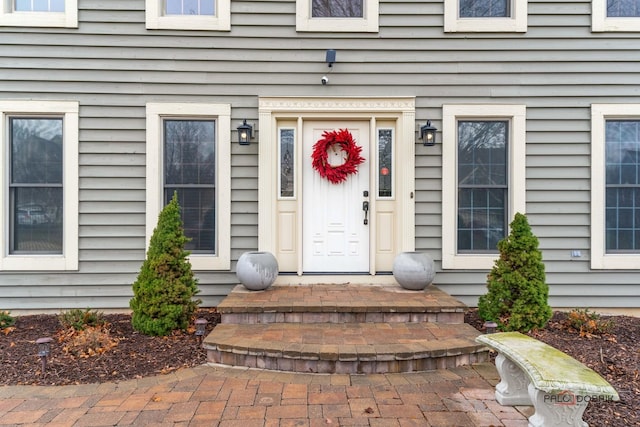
40	188
485	16
40	5
212	15
483	158
189	152
615	186
615	15
39	13
189	7
337	15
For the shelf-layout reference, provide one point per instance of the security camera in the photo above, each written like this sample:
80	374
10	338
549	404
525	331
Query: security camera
324	80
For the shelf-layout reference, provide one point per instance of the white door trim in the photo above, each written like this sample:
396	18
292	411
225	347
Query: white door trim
272	109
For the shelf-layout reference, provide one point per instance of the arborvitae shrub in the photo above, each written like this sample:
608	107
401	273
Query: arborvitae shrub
517	290
165	287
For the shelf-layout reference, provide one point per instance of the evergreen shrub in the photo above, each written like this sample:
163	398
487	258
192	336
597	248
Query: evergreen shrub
517	290
164	290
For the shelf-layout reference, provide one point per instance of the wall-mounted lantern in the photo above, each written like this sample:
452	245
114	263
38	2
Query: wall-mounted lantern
245	132
428	134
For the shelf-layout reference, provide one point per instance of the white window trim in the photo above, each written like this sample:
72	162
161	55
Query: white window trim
155	174
517	23
67	19
68	260
368	24
516	114
600	260
155	19
600	22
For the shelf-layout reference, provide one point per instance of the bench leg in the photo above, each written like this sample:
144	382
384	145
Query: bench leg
556	410
512	389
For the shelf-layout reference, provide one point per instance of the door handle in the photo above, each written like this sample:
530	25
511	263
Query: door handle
365	208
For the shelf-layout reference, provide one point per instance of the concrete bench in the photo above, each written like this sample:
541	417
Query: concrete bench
534	373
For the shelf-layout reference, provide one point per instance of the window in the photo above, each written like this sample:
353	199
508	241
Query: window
615	186
485	16
337	15
385	163
482	184
615	15
212	15
483	180
189	7
39	13
40	186
188	152
287	155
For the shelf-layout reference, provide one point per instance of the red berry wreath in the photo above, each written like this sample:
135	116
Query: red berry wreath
344	140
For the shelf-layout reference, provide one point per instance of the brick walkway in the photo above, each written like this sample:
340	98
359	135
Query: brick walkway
220	396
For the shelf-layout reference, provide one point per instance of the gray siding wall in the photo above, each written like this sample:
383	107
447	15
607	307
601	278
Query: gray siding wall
112	65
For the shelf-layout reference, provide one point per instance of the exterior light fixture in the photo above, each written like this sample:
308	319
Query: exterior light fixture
490	327
44	348
330	58
201	326
245	133
428	134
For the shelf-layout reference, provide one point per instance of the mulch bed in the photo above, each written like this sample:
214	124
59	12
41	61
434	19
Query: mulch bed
615	355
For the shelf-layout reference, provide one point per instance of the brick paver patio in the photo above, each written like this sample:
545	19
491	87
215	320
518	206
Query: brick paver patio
212	395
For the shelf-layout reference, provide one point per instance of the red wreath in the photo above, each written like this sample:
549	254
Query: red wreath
343	139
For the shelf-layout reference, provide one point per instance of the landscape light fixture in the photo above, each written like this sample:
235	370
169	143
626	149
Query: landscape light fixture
490	327
428	134
201	327
244	133
44	348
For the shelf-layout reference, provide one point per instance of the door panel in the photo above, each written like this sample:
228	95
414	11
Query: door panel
335	237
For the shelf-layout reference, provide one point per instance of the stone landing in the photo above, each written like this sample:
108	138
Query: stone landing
343	329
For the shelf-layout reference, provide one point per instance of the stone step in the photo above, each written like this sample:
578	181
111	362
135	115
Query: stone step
344	303
345	347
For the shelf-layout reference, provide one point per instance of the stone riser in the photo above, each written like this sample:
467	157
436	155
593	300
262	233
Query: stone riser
345	366
455	317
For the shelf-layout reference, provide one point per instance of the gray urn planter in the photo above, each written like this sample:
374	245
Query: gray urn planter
414	270
257	270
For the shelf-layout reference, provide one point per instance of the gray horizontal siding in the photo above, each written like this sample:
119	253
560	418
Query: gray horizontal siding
112	65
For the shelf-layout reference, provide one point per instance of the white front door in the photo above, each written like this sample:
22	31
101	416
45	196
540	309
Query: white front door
335	233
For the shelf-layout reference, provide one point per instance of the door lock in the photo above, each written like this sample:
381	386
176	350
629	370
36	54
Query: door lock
365	208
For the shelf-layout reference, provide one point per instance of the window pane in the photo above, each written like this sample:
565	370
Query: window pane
337	9
481	219
189	152
207	7
40	5
36	224
482	154
57	5
198	217
189	7
287	155
622	213
189	168
23	6
623	8
385	162
36	150
484	8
